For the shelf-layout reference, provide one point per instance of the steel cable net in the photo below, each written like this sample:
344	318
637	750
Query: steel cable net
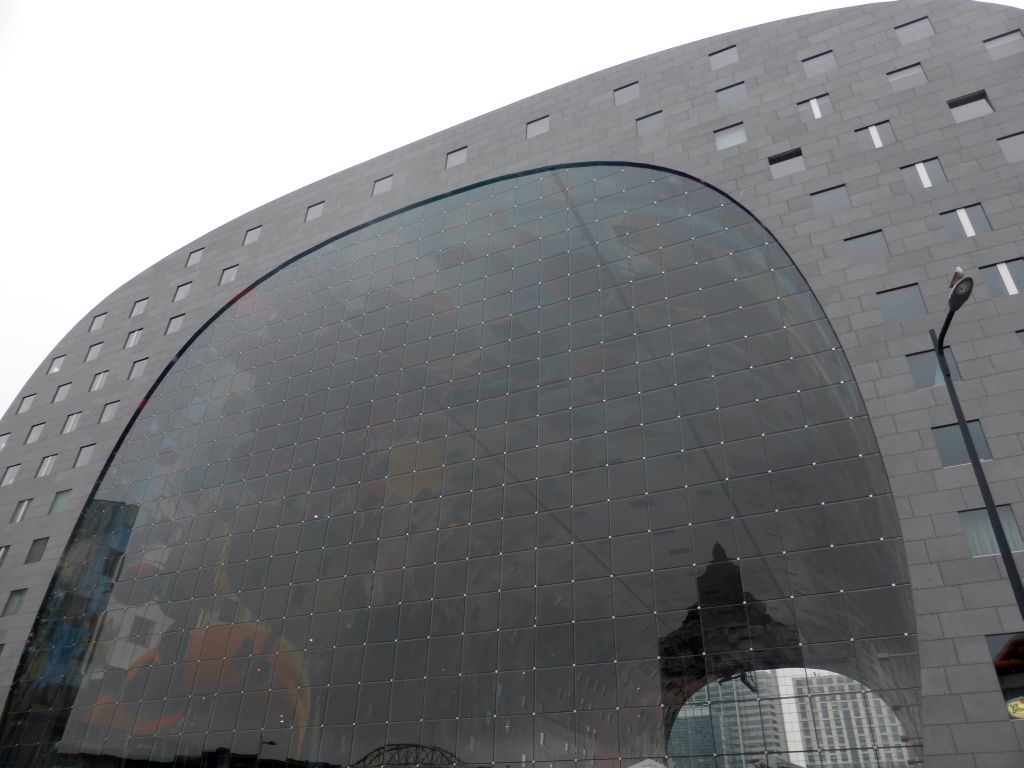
561	468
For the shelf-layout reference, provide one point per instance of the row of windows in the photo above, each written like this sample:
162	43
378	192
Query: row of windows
46	464
35	551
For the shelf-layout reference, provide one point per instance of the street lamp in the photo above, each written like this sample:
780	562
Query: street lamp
960	291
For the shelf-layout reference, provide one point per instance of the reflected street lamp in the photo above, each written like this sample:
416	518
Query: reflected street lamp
960	291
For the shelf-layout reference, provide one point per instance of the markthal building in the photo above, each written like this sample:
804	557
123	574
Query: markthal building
604	430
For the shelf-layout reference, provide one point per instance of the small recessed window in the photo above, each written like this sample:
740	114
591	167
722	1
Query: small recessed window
831	201
194	257
315	211
965	222
60	394
456	157
3	556
819	64
1005	278
900	303
924	175
98	381
925	370
649	124
34	433
84	455
36	550
26	403
138	368
109	411
1012	147
71	422
732	95
174	324
969	107
786	163
981	539
1006	44
60	502
906	78
14	602
815	108
915	30
626	93
724	57
46	465
133	338
97	321
138	307
380	186
182	291
20	510
537	127
229	274
730	136
10	475
870	246
93	352
3	440
252	235
56	364
876	136
952	448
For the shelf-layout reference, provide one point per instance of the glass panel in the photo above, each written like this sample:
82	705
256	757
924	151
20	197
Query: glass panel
731	136
907	77
981	539
925	370
732	95
649	124
724	57
819	64
1005	45
899	303
537	127
786	163
970	107
829	202
626	93
915	30
950	443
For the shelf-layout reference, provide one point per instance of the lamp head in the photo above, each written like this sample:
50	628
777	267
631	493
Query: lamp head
961	290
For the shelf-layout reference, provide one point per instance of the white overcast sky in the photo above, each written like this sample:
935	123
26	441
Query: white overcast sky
130	128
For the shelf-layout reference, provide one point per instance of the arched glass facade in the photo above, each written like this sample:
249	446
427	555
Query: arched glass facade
567	468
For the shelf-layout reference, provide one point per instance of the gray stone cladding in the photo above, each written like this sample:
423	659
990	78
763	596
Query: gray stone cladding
958	598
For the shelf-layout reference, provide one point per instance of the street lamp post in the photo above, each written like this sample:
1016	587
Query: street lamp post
960	290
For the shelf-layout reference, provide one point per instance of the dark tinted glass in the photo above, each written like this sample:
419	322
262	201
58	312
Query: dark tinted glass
951	446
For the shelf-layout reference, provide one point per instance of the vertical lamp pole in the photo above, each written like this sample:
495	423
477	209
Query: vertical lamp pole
961	288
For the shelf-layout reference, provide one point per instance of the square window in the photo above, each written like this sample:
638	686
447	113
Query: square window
229	274
98	381
626	93
97	321
731	136
60	502
965	222
93	352
71	422
174	324
907	77
829	202
56	364
925	370
819	64
1012	147
537	127
900	303
34	433
970	106
109	411
252	235
138	368
648	124
36	550
786	163
724	57
380	186
10	475
182	291
61	393
876	136
315	211
870	246
732	95
815	108
46	465
915	30
14	602
952	449
84	455
133	338
1006	44
924	175
3	440
1005	278
20	510
26	402
456	157
138	307
194	257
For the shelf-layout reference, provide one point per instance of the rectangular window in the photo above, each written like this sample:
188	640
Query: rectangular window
133	338
46	465
26	403
3	553
786	163
730	136
36	550
456	157
1006	44
194	257
951	446
3	440
71	422
965	222
626	93
907	77
724	57
84	455
252	235
831	201
182	291
732	95
10	475
174	324
56	364
93	352
923	175
315	211
98	381
649	124
876	136
34	433
925	370
1005	278
380	186
138	368
1012	147
229	274
538	127
819	64
97	321
61	393
138	307
20	510
970	106
870	246
900	303
981	539
109	411
915	30
14	602
815	108
60	502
